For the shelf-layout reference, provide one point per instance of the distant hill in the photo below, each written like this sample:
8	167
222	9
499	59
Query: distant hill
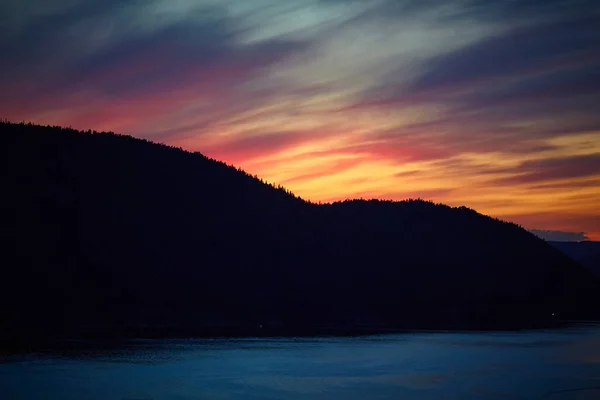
587	253
112	235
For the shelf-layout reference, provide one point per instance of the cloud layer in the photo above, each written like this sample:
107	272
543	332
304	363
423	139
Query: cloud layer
560	236
494	106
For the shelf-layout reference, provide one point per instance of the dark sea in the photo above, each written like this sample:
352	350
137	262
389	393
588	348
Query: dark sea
551	364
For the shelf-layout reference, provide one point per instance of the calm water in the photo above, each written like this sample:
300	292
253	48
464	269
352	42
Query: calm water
561	364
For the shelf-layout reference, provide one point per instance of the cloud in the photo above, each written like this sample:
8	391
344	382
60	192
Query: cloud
569	221
146	73
560	236
550	169
520	10
509	91
493	103
518	51
570	184
331	168
262	145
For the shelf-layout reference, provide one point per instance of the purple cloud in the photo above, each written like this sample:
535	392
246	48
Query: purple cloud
549	169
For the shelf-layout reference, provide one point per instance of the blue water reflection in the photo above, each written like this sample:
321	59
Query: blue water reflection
559	364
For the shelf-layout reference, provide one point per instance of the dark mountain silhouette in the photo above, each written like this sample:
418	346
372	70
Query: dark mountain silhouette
586	252
111	235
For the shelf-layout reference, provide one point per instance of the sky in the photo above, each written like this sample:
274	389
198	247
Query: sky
492	105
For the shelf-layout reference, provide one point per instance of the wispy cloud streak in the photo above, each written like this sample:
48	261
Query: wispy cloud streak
489	104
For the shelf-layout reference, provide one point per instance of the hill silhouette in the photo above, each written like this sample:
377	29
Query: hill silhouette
111	235
586	252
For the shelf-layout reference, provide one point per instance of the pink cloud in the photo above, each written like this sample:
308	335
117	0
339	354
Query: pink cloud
241	149
328	168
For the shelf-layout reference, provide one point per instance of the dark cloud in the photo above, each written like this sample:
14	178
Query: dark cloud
449	137
161	58
165	60
153	56
136	72
579	84
48	36
493	91
503	67
560	236
568	221
505	11
549	169
571	184
522	50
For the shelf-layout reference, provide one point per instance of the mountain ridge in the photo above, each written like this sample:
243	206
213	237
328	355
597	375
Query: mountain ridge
113	231
585	252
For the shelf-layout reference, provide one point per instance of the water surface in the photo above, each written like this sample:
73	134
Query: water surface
559	364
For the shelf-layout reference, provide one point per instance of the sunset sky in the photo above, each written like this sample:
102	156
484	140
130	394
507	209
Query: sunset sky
490	104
